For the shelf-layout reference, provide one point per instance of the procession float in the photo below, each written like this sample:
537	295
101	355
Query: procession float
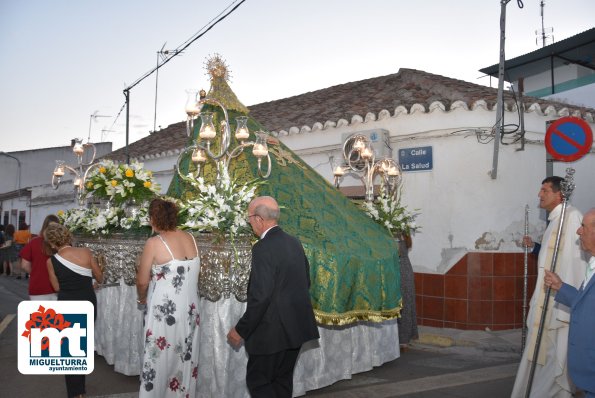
229	159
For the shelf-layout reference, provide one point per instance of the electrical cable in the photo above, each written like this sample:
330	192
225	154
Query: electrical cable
117	116
185	45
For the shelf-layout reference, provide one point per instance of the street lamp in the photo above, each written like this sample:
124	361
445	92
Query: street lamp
80	171
359	158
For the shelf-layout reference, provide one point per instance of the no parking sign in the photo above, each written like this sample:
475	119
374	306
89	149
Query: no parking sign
568	139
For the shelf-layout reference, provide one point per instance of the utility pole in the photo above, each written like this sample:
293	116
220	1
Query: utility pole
500	102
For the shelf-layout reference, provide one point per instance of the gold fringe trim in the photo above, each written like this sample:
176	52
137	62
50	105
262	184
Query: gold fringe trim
351	317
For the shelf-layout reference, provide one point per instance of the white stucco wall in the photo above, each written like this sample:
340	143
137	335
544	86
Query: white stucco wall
37	198
462	208
163	169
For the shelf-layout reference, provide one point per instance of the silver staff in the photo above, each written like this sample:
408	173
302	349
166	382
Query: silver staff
567	188
525	277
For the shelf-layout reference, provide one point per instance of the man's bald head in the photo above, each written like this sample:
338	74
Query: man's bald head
587	232
263	213
266	207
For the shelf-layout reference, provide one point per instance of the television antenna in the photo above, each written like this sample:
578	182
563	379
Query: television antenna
162	55
93	117
545	33
104	133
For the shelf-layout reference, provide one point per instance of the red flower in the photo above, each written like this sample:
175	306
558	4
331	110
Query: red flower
161	343
174	384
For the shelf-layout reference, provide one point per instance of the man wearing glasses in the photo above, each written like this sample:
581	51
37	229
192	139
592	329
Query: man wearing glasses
279	317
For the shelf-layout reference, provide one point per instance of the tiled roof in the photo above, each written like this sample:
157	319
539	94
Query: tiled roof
345	101
172	138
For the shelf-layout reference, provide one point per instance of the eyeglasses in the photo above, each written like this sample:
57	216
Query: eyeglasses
252	215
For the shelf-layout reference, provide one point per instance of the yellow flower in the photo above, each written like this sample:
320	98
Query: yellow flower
60	213
102	170
129	173
89	185
114	183
147	184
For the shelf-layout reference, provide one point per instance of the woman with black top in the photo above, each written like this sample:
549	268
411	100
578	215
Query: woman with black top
71	271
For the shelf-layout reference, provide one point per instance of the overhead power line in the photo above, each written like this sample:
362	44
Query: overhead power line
210	25
177	51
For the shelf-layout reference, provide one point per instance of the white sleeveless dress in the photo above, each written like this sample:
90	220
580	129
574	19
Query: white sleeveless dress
170	358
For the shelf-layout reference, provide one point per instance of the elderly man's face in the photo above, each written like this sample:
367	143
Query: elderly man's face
254	220
587	232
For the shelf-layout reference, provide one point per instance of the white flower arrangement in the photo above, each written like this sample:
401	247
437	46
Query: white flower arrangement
104	221
387	211
219	207
119	183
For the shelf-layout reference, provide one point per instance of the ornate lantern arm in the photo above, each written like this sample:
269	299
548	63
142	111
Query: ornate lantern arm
201	150
338	173
369	173
268	172
57	179
192	110
80	157
182	154
226	134
237	151
190	124
93	166
361	160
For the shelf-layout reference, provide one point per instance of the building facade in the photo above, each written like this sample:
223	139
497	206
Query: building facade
26	193
470	189
467	256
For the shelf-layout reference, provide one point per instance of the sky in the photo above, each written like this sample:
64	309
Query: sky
63	61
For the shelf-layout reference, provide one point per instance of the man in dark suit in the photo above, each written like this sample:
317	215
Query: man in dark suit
581	337
279	317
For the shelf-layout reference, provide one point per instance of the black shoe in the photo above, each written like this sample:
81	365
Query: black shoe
26	276
19	277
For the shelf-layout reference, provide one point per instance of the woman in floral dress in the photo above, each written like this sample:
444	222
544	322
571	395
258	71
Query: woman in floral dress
167	282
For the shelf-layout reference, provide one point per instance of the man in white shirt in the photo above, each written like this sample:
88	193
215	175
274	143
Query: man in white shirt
551	377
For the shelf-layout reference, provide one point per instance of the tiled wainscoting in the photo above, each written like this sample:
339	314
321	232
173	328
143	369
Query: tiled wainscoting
481	290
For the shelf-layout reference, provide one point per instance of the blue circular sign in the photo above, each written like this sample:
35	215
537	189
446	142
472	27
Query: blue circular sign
568	139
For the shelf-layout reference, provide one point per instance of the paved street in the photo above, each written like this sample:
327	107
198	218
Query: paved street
445	363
